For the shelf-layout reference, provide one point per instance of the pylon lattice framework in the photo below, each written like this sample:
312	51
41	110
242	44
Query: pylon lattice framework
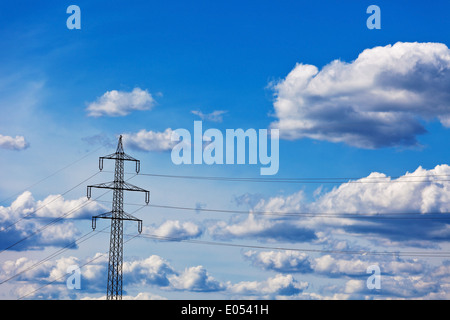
117	216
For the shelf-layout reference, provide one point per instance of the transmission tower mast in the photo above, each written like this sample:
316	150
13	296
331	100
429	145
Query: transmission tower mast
117	216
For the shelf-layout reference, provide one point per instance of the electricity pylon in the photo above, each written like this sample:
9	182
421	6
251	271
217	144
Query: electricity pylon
117	216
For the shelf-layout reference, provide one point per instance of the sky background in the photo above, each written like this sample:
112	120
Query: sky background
367	111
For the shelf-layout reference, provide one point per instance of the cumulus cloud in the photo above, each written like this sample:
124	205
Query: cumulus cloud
398	287
419	191
16	143
52	206
356	266
142	296
116	103
280	261
149	140
426	196
157	271
400	278
332	265
47	279
375	206
153	270
264	229
407	281
175	229
215	116
25	215
378	100
195	279
139	296
279	285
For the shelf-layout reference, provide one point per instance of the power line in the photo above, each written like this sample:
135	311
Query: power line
389	215
50	223
213	243
349	252
59	278
46	204
54	254
64	275
78	241
51	175
331	180
55	221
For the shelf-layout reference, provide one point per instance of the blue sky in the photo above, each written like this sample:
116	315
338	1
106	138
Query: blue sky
349	103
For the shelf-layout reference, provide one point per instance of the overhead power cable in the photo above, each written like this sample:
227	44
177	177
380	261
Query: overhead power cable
337	215
51	175
77	241
47	203
338	180
55	221
50	223
436	254
81	266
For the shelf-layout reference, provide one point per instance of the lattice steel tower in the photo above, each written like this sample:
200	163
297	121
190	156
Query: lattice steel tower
117	216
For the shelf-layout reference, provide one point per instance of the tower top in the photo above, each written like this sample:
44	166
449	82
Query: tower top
120	145
119	155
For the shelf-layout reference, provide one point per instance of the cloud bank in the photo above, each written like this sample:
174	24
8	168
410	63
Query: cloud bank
26	216
381	99
152	271
411	210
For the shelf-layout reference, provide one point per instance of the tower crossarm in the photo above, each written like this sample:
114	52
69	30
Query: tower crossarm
110	215
123	186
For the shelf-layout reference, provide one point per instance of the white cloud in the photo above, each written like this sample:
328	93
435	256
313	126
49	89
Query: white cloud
355	266
120	103
398	287
377	100
17	143
215	116
420	192
399	278
139	296
48	279
55	206
354	285
283	285
397	196
51	207
142	296
25	215
264	229
430	282
149	140
60	234
153	270
280	261
195	279
175	229
404	194
333	265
